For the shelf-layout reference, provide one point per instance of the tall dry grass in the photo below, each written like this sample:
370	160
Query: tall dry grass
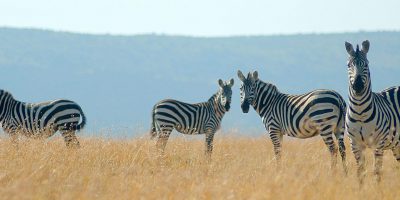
241	168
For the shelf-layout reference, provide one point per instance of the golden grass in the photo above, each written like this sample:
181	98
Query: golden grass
242	168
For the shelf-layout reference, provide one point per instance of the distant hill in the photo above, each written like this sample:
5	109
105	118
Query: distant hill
117	79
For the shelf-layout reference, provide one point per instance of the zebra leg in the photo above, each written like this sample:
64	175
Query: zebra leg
162	140
396	154
358	152
14	135
342	149
378	164
209	145
70	139
326	134
276	138
153	130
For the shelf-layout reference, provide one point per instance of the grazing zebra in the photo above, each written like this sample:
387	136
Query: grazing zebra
201	118
372	119
41	120
320	112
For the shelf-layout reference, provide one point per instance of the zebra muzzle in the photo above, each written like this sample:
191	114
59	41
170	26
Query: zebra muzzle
245	106
227	106
358	85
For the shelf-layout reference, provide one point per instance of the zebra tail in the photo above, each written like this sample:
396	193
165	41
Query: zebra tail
153	131
83	122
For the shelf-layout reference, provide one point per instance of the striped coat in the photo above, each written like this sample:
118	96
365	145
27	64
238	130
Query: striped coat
41	120
201	118
372	119
320	112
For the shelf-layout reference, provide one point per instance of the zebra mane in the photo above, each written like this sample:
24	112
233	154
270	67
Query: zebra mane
5	97
6	94
214	97
215	104
358	55
268	86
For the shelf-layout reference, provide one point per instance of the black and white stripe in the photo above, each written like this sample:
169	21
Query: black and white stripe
201	118
320	112
41	120
372	119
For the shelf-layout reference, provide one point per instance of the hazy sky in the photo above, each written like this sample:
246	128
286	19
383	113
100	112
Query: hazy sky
202	17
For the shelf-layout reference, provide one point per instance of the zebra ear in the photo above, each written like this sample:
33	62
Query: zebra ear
349	48
221	83
240	75
255	75
230	84
365	47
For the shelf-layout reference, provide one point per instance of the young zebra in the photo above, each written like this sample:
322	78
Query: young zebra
320	112
372	119
41	120
201	118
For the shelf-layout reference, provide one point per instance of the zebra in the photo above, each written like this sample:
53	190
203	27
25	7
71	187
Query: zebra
200	118
320	112
372	119
41	120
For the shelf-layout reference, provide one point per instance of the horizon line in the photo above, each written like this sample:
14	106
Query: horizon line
193	36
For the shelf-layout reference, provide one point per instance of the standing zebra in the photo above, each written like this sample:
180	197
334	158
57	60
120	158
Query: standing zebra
201	118
320	112
41	120
372	119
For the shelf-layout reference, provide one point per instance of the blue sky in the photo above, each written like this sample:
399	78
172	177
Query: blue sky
202	18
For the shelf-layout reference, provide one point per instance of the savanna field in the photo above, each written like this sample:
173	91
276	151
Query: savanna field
241	168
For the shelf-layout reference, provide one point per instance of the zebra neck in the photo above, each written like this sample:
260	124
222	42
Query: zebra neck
265	96
362	102
6	104
219	110
216	106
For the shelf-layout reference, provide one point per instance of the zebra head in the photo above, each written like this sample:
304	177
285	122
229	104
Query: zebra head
358	69
247	90
225	93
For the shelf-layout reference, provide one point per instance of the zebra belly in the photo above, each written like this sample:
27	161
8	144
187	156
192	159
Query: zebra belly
303	134
319	118
29	129
188	130
45	132
366	135
309	128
